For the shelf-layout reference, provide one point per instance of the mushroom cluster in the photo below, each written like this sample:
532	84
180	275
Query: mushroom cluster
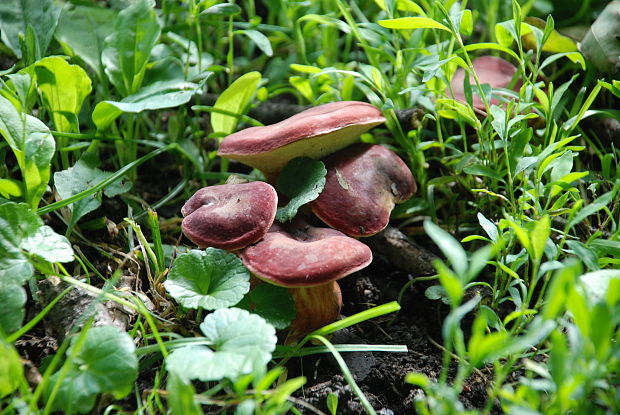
363	183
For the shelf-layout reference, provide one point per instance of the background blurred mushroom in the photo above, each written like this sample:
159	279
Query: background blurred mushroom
314	133
229	216
307	260
491	70
363	183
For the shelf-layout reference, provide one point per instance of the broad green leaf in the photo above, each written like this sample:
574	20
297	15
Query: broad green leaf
128	49
208	279
450	282
12	312
494	46
601	44
259	40
159	95
483	347
608	246
181	396
105	363
17	15
403	5
22	233
302	180
11	369
81	32
449	246
274	304
555	43
539	236
597	283
63	88
482	170
223	9
585	254
413	23
234	99
82	176
33	146
240	340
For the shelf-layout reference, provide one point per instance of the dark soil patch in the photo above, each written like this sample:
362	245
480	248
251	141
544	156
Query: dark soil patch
382	375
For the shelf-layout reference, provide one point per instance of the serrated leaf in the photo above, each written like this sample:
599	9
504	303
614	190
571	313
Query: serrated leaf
22	232
11	369
81	32
234	99
274	304
241	342
128	49
82	176
17	15
63	88
302	180
106	362
208	279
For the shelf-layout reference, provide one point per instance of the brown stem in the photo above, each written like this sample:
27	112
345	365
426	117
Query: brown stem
316	306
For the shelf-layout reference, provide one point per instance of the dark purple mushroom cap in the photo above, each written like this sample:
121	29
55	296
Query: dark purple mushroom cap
314	133
229	216
490	70
363	183
300	255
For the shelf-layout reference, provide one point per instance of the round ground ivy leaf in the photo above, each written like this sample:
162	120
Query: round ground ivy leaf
238	331
106	362
202	363
302	180
209	279
12	312
274	304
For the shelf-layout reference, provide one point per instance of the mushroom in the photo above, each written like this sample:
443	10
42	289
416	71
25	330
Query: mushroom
229	216
307	260
490	70
363	184
315	132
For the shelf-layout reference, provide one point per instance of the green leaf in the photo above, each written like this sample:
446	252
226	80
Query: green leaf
208	279
302	180
12	312
181	396
33	146
22	232
128	49
17	15
260	40
601	44
274	304
482	170
413	23
555	43
105	362
539	236
599	203
596	284
82	30
241	342
223	9
488	226
449	246
82	176
161	94
11	369
608	246
63	88
234	99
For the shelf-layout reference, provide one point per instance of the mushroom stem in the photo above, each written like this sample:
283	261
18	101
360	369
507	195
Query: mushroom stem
316	306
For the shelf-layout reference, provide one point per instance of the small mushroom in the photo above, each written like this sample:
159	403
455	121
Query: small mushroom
363	184
490	70
307	260
314	133
229	216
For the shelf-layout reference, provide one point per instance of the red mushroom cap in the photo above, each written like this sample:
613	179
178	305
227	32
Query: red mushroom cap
229	216
313	133
490	70
300	255
363	183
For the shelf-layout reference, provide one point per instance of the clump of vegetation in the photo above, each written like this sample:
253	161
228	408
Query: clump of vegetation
112	114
